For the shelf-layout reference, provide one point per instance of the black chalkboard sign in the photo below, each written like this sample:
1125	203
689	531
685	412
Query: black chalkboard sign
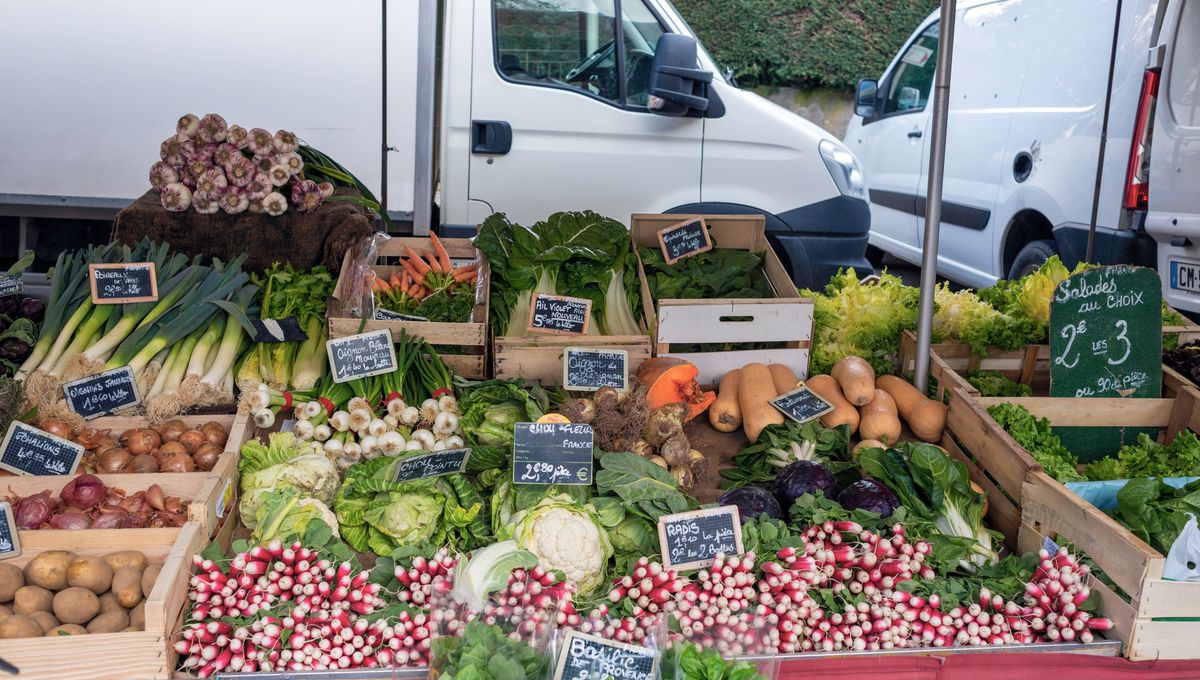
278	330
684	240
361	356
552	453
690	540
433	464
10	541
1106	341
389	315
559	314
102	394
29	451
123	282
590	657
587	370
11	285
801	405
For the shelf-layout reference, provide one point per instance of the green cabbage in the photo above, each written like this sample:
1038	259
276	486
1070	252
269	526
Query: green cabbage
311	474
285	514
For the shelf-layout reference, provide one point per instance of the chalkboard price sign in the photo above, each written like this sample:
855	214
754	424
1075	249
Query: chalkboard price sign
121	282
590	657
102	394
11	285
587	370
801	405
29	451
684	240
559	314
432	464
10	542
552	453
690	540
278	330
1105	341
361	356
389	315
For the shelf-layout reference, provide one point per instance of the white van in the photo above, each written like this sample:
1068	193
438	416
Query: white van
1172	163
1023	147
520	106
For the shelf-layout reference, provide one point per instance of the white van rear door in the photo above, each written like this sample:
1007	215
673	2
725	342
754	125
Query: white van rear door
1174	207
549	74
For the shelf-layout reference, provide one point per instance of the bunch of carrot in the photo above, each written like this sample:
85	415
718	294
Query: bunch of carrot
423	275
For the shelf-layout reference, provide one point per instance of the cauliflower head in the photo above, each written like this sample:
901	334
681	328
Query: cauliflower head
566	537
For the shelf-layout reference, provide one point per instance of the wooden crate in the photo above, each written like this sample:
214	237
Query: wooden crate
115	656
785	318
540	357
1049	510
471	335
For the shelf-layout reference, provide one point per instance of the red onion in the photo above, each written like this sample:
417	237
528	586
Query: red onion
83	492
33	511
69	520
109	520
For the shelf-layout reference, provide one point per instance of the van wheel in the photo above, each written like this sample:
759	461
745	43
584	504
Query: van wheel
875	256
1032	256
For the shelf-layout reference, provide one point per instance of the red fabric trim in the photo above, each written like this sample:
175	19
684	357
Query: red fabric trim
392	396
442	391
287	400
329	407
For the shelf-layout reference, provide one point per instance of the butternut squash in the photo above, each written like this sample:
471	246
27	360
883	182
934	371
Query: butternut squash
867	444
925	417
673	381
783	377
856	378
725	414
880	420
755	391
843	412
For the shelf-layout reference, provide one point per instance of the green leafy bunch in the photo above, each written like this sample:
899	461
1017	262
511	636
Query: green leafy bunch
1148	458
996	384
1035	436
962	315
752	465
856	319
690	662
718	273
485	652
1155	511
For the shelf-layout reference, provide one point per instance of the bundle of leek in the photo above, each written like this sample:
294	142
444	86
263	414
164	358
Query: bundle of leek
297	365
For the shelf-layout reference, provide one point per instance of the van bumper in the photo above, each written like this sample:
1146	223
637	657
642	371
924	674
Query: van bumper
1113	246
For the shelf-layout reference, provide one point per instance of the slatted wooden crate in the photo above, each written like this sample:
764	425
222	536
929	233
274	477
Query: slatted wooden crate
471	336
786	318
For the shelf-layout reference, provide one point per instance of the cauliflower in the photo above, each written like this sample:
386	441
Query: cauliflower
566	537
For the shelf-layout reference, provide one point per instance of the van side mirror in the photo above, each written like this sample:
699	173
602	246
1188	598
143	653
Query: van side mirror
865	96
678	87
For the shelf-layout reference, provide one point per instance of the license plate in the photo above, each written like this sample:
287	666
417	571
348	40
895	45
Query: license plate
1185	276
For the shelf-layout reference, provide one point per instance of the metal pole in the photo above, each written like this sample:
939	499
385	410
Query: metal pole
427	36
383	145
933	199
1112	64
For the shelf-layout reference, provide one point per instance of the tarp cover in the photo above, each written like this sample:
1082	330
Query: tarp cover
984	666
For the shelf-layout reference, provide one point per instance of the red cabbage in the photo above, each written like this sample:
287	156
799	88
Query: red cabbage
752	501
84	492
33	511
801	477
869	495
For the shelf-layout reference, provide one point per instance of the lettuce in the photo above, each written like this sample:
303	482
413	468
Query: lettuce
856	319
1035	436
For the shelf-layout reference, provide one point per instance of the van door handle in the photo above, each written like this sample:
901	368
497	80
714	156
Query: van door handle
491	137
915	134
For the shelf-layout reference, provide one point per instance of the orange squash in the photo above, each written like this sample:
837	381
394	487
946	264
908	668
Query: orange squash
673	381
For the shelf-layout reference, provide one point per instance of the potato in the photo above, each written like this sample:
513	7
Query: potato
149	577
20	627
89	571
112	622
30	599
137	616
11	578
108	603
67	629
49	569
126	558
76	605
127	587
5	612
131	629
46	620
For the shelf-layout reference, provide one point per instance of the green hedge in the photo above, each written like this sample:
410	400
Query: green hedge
804	42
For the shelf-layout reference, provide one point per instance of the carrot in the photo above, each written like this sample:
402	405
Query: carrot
434	265
405	280
395	279
415	260
466	268
376	285
442	255
411	268
464	276
415	290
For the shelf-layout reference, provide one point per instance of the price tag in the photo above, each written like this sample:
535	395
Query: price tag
690	540
433	464
389	315
801	405
361	356
10	541
278	330
684	240
590	657
559	314
11	285
587	370
102	394
552	453
121	282
29	451
1106	341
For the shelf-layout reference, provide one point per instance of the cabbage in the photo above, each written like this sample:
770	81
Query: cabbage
410	518
487	570
285	515
869	495
752	501
801	477
311	474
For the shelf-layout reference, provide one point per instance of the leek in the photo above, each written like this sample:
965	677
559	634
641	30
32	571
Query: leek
87	332
311	359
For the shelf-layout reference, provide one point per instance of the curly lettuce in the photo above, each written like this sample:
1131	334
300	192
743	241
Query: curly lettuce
857	319
964	316
1035	436
1148	458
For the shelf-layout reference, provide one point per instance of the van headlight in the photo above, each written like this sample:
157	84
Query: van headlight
844	168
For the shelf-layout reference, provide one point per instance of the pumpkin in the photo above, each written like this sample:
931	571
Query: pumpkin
670	380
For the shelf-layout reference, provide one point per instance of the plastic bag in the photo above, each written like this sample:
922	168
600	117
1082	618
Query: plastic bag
1183	561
